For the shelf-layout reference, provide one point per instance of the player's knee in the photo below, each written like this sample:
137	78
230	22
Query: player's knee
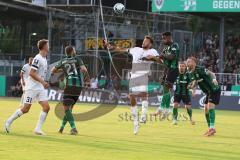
205	108
211	105
175	105
46	108
187	106
25	110
132	100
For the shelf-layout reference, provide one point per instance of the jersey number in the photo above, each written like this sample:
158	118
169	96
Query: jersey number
70	67
29	100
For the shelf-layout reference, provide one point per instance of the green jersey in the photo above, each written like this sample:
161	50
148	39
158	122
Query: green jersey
71	68
182	83
204	80
172	49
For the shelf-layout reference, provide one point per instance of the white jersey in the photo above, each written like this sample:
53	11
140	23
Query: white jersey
25	70
138	65
140	69
40	65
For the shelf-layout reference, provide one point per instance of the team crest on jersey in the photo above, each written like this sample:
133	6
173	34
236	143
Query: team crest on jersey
159	4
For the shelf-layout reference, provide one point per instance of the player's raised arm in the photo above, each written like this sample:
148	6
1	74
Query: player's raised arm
115	48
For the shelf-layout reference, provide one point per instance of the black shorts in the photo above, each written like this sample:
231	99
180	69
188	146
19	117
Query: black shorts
186	99
71	95
170	77
213	97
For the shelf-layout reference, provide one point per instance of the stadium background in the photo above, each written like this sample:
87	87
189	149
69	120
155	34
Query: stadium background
212	37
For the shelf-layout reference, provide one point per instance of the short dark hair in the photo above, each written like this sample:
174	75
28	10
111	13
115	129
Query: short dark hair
69	50
181	62
41	43
150	38
167	34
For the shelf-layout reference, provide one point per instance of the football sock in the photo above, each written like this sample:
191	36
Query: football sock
168	100
70	118
64	122
207	118
134	111
189	111
144	108
18	113
175	113
212	117
41	120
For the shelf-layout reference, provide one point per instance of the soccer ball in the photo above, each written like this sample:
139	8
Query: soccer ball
119	8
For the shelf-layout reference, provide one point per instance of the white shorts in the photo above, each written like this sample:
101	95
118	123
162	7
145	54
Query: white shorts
138	83
138	89
38	95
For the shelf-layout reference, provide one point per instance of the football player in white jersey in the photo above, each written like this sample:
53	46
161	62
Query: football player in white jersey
24	75
138	85
36	88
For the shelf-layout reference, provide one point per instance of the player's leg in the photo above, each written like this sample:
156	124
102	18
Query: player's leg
213	101
187	101
17	114
63	124
72	123
175	113
27	102
177	100
70	119
211	110
170	79
167	98
189	112
161	108
144	98
43	101
64	121
206	113
69	100
134	111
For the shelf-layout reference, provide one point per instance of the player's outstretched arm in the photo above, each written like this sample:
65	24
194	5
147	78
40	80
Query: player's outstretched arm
153	58
114	48
36	77
168	57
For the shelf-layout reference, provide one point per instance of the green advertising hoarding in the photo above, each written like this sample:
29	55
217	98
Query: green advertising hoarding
2	85
196	6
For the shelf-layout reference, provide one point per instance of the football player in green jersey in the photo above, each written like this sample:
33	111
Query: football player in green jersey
207	82
169	57
74	71
182	93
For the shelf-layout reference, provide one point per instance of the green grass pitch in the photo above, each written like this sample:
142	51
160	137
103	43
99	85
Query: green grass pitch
110	138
